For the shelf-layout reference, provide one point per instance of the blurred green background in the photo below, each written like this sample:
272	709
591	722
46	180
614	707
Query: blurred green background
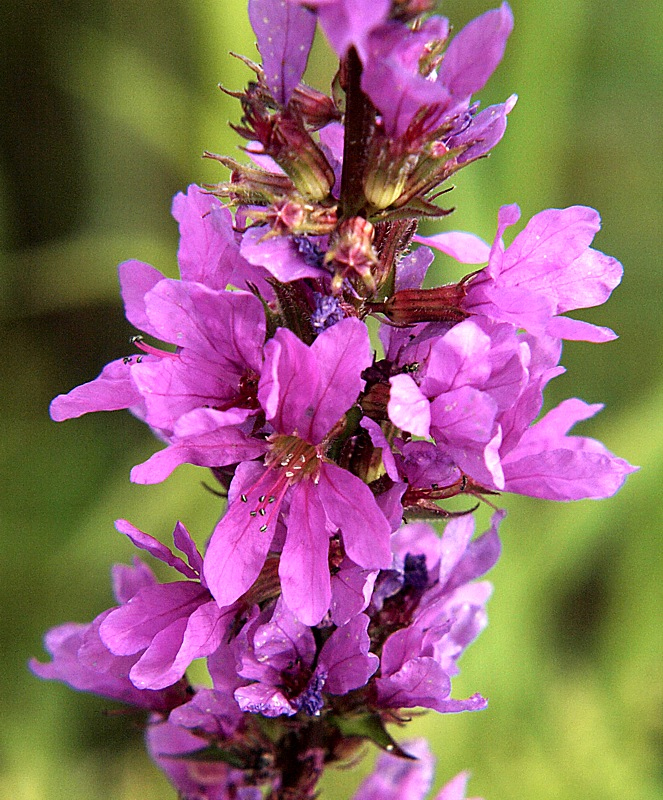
105	108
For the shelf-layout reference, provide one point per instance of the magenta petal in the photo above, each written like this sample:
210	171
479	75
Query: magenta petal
226	328
506	216
550	241
112	390
566	475
304	566
208	251
348	23
420	682
278	255
588	281
380	442
132	626
397	778
412	268
550	431
129	580
288	383
185	544
63	643
404	644
136	280
214	448
480	555
467	248
285	33
342	352
259	698
487	129
455	539
209	710
463	421
153	668
173	649
351	589
238	547
475	52
408	408
455	789
278	643
346	659
351	506
578	331
154	547
474	703
513	304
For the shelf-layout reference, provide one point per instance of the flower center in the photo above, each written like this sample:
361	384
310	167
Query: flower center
247	393
288	460
296	458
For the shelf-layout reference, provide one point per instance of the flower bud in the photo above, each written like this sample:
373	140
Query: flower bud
352	254
410	306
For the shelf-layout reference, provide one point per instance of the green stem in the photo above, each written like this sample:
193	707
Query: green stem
359	121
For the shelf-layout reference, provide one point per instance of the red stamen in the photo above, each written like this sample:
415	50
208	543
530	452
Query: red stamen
153	351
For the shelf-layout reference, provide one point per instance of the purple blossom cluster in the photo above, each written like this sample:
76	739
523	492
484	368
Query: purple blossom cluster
320	613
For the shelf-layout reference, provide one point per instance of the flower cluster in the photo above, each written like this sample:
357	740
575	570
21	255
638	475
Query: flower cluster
319	612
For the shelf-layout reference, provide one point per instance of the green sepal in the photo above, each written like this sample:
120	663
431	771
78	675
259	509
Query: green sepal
432	511
417	208
271	318
370	727
294	310
214	754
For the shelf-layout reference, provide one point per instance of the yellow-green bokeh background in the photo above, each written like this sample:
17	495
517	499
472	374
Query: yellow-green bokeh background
105	107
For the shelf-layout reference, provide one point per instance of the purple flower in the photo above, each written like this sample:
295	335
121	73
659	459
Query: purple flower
168	624
200	398
549	464
284	669
188	730
395	778
304	391
477	390
446	613
547	270
81	660
401	90
464	380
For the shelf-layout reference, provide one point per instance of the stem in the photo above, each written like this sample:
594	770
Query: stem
359	121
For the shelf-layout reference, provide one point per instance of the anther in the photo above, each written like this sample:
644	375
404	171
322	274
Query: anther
136	338
243	498
262	512
253	513
272	499
262	498
126	360
263	528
